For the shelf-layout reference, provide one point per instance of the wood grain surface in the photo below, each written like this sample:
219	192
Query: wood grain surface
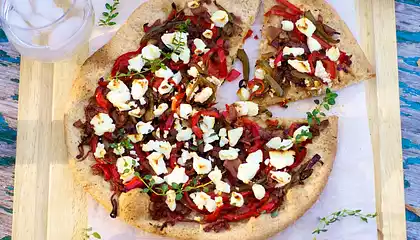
42	198
45	193
377	21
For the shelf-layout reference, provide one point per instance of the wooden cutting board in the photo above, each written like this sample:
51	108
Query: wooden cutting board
48	205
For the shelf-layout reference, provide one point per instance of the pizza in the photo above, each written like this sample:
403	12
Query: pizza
145	140
306	48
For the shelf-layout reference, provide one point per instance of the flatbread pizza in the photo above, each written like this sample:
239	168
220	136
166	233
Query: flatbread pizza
306	48
146	142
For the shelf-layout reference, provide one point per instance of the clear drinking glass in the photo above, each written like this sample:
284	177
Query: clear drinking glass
47	30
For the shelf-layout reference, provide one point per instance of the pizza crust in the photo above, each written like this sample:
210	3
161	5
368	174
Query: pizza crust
361	69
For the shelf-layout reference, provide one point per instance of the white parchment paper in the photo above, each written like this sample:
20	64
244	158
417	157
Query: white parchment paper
351	184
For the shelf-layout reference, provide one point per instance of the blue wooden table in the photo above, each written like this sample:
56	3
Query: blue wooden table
408	33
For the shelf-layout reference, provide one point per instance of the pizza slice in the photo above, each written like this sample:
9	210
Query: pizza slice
247	177
306	48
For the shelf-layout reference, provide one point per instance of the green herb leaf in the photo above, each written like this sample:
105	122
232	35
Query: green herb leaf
188	188
147	177
179	196
165	188
205	189
96	235
126	170
275	214
110	14
175	186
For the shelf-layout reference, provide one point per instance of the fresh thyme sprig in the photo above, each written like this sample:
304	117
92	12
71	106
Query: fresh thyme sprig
88	234
303	136
337	216
163	189
183	27
110	14
327	102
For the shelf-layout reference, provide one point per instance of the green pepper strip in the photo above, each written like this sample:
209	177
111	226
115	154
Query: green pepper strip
271	81
243	57
320	28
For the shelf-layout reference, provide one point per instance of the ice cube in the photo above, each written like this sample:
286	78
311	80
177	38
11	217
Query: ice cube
23	7
64	31
16	19
48	9
38	21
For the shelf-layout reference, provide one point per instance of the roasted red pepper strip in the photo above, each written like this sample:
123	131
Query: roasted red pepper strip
133	183
93	143
177	66
223	71
255	130
191	204
238	217
169	122
325	45
299	35
260	90
233	74
313	57
272	122
282	13
270	206
103	83
108	136
279	58
101	100
292	128
104	169
213	216
290	6
121	63
331	68
216	68
248	34
196	118
177	101
300	155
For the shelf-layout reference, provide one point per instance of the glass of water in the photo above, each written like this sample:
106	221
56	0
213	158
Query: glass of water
47	30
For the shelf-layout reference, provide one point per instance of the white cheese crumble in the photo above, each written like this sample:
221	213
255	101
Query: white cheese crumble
313	44
230	154
200	46
160	109
139	87
236	199
208	34
144	128
333	54
220	18
247	171
125	166
177	40
243	94
158	180
100	151
259	191
163	147
135	138
282	178
287	25
234	135
305	26
119	150
185	156
282	159
150	52
119	95
299	131
193	72
185	110
171	199
301	66
321	72
255	157
293	51
136	64
204	95
157	163
259	73
184	135
102	123
246	108
201	165
177	176
278	144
